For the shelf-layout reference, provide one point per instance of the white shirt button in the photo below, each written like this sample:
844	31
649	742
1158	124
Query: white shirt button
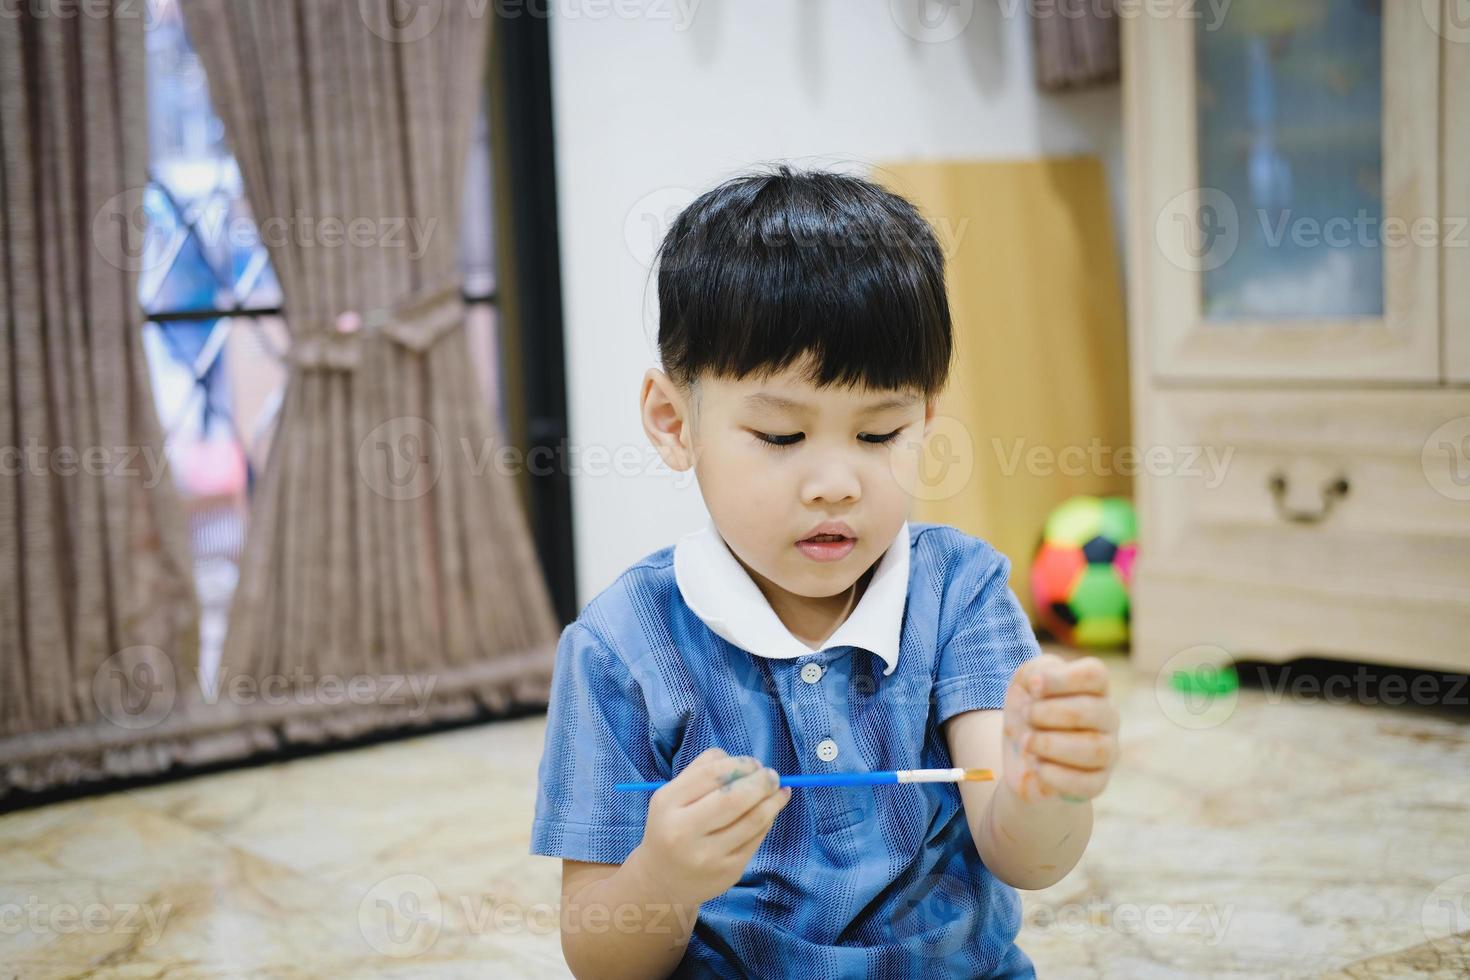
811	673
826	750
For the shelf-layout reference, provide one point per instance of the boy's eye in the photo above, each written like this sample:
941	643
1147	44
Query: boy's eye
772	439
778	440
881	440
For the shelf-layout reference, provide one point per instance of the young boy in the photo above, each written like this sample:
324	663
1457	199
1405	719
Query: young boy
805	333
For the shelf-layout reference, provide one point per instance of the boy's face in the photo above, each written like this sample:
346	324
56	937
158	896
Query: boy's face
849	454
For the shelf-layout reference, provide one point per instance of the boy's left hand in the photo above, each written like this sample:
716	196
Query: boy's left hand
1060	730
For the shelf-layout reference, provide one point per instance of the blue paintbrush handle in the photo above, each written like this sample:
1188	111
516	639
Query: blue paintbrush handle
840	779
810	779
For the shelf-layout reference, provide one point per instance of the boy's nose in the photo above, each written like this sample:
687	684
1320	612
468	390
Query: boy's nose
832	482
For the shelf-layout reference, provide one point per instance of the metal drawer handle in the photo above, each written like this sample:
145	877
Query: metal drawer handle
1332	492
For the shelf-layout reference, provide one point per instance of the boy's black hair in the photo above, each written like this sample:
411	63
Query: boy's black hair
770	266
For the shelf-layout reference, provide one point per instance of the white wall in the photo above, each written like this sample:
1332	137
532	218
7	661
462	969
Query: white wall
652	108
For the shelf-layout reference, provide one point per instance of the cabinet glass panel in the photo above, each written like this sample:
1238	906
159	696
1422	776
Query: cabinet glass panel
1290	123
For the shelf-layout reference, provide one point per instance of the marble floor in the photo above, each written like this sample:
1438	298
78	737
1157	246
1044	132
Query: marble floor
1272	835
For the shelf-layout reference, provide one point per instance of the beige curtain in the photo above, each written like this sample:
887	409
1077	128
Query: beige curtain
96	590
386	537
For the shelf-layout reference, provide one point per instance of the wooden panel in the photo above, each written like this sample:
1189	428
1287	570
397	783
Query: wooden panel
1041	358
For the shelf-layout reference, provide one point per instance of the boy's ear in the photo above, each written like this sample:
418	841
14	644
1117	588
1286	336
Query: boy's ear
665	412
931	408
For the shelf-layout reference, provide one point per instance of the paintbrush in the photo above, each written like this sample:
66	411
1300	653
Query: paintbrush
859	778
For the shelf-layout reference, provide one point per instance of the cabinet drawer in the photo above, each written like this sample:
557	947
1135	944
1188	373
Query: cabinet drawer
1345	492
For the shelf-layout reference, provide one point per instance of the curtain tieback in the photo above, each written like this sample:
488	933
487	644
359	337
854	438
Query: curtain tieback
417	322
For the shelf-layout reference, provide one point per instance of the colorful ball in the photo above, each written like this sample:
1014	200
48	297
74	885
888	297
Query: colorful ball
1082	570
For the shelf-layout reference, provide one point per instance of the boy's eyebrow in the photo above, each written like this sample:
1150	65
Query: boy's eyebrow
895	401
762	399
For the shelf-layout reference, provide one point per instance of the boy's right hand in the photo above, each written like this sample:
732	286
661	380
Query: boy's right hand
705	824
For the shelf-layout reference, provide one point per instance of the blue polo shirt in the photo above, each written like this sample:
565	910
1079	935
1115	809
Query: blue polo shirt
851	881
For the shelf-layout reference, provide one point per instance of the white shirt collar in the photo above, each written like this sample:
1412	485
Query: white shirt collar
720	592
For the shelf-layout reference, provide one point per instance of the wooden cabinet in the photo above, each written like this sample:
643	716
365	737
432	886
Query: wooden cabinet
1299	294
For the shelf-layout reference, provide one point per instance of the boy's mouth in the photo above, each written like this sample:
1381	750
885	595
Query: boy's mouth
830	541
